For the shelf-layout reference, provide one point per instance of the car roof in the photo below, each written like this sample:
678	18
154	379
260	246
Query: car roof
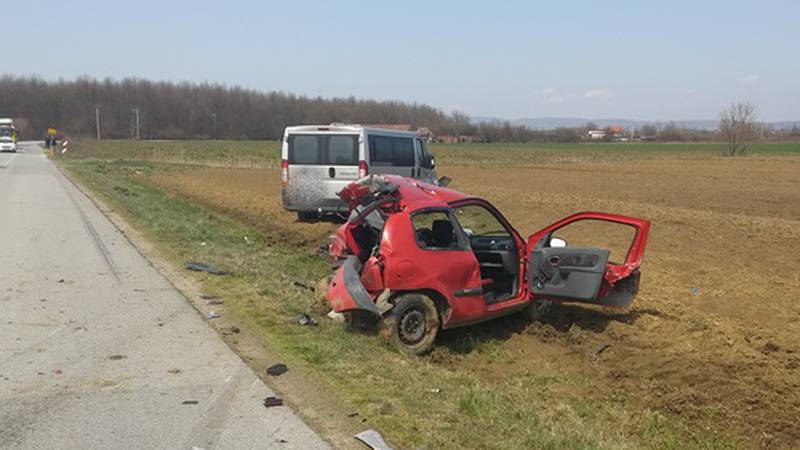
416	194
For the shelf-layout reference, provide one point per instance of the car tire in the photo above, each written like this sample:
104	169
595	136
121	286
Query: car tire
538	310
306	216
412	325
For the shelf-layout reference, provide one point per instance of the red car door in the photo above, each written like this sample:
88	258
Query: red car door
584	274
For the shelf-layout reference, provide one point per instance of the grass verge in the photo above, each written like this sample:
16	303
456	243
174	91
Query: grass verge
412	401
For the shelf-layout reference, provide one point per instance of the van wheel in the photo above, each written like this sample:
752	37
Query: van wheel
306	216
412	325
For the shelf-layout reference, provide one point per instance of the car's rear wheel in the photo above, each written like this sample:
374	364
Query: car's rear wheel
412	325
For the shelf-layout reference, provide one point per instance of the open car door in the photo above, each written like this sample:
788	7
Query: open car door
582	274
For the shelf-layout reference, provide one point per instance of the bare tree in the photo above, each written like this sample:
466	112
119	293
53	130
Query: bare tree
737	126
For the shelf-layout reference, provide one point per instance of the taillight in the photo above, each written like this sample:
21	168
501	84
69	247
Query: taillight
285	172
363	169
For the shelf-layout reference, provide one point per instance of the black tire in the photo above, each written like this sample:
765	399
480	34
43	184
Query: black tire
306	216
538	310
412	325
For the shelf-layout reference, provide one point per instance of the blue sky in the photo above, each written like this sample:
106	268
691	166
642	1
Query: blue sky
650	60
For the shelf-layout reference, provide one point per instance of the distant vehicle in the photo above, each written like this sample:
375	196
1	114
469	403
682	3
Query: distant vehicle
7	130
419	257
319	160
7	144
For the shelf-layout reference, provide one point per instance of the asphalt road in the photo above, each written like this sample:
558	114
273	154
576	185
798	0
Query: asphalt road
98	350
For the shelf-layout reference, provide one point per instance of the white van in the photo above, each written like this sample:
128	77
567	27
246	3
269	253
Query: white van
319	160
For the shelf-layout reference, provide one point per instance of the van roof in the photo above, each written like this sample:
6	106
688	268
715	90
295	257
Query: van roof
345	128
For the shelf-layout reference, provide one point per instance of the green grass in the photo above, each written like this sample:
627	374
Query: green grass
266	154
394	392
263	154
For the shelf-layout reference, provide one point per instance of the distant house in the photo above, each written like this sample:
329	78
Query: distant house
597	134
453	139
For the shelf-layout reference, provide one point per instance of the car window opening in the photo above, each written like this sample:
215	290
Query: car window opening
494	248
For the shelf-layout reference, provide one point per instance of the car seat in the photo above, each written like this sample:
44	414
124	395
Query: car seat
443	235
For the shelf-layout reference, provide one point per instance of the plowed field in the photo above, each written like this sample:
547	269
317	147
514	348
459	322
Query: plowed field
714	335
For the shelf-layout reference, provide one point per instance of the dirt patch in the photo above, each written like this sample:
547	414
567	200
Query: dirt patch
714	336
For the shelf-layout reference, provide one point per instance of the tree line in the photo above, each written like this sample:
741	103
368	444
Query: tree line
169	110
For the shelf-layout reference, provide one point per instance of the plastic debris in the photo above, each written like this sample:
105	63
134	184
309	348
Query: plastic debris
213	315
600	349
335	316
277	369
373	439
271	401
202	267
302	285
305	320
695	291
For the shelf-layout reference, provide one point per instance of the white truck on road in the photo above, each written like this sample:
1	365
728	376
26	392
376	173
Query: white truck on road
8	136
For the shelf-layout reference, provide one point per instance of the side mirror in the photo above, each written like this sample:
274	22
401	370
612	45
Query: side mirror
557	242
432	163
444	181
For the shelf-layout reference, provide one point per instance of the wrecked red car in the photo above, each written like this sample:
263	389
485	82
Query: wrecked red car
420	257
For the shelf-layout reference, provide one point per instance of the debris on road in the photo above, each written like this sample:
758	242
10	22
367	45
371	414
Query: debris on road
213	315
305	320
202	267
373	439
302	285
271	401
117	357
57	372
212	299
600	349
227	331
277	369
190	402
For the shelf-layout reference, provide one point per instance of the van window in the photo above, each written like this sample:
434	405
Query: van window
391	151
426	157
342	150
304	150
318	149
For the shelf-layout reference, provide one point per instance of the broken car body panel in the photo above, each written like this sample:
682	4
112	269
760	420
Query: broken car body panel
405	235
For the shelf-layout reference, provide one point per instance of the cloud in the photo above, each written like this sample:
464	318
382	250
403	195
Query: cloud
750	78
550	95
598	94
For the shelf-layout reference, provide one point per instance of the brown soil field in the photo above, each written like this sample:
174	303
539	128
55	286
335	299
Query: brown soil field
714	335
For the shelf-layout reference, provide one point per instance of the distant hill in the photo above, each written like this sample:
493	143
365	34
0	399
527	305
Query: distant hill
548	123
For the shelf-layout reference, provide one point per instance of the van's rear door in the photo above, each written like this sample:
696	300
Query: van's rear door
320	165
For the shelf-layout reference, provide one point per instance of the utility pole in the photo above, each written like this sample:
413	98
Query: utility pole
214	128
136	111
97	120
